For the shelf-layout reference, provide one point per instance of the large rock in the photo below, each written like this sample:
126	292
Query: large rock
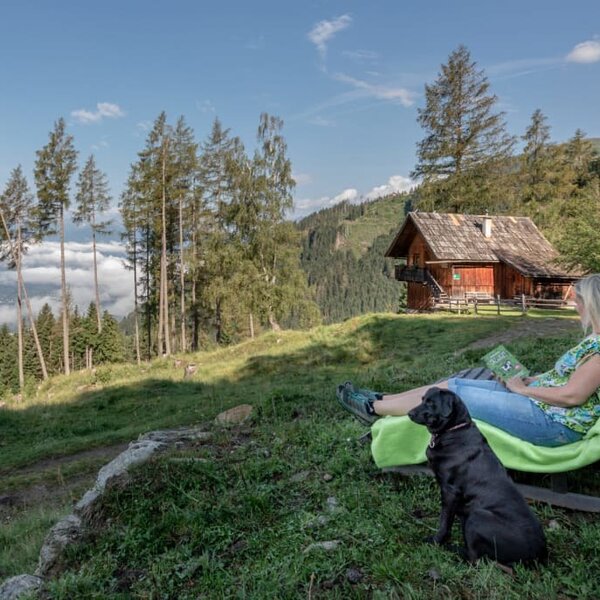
234	416
16	587
65	532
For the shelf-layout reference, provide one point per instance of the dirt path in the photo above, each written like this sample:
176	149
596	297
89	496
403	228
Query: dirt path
528	328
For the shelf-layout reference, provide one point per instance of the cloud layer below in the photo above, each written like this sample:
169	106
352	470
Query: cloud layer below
41	273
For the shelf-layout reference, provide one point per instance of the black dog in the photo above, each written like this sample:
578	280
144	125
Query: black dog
496	520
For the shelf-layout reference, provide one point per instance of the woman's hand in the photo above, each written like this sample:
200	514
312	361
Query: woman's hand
517	384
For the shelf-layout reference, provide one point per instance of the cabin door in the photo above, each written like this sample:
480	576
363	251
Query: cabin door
472	279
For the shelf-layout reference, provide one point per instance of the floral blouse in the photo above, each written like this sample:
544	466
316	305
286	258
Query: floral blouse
579	418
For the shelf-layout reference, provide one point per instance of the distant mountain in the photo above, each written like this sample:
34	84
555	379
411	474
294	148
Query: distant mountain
343	255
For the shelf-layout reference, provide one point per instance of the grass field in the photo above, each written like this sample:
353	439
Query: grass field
244	515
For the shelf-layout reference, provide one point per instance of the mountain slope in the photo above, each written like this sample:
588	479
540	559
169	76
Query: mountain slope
343	255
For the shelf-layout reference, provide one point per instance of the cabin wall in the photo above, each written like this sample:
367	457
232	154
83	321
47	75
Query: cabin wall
510	283
418	296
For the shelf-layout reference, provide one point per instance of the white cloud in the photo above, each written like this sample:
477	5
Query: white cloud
302	178
324	31
103	110
381	92
361	56
348	194
320	121
396	184
586	52
206	106
41	273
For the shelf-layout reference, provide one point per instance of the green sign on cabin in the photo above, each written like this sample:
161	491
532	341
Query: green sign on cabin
455	275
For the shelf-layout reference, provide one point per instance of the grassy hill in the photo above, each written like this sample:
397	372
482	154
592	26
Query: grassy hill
240	516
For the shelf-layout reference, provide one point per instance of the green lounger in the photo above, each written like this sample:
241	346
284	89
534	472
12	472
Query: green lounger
398	441
398	445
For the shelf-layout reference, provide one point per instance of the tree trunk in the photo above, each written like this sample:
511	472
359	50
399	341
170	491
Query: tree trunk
275	326
251	326
97	292
182	279
19	314
63	285
135	308
27	303
164	283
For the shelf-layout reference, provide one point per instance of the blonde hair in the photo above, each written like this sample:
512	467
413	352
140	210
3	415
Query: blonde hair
588	292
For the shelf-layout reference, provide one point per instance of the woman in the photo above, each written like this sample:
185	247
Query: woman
554	408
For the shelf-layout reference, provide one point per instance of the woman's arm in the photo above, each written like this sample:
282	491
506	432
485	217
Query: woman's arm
581	385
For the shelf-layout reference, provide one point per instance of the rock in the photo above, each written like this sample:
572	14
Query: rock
298	477
434	574
138	452
234	416
189	370
65	532
354	575
16	587
553	524
332	504
327	477
185	434
327	546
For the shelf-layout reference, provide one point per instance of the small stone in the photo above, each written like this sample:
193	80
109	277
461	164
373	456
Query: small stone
234	416
553	525
332	504
16	587
328	546
298	477
434	574
327	477
354	575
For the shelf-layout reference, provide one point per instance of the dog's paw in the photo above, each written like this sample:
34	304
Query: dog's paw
434	540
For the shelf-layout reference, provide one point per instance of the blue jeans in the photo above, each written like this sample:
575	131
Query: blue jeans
493	403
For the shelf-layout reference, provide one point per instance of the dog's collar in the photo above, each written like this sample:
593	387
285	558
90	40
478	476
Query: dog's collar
436	436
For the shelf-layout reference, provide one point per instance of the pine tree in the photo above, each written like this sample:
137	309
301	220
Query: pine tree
540	161
92	200
466	146
131	211
54	167
111	347
16	212
185	168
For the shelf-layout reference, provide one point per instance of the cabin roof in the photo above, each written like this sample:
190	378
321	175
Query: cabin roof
452	237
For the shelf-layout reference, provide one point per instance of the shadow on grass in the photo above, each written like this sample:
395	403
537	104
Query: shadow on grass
391	352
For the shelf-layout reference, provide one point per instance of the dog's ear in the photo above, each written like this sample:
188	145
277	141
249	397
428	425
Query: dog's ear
447	403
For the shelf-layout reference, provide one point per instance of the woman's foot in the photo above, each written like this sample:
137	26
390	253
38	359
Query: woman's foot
357	403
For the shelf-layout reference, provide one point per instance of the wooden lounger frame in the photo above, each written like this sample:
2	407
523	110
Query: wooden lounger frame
557	494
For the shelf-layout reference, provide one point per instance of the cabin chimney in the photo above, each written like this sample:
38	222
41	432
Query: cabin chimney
486	226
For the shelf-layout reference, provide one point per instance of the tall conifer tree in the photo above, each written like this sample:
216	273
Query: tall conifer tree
465	143
54	167
93	200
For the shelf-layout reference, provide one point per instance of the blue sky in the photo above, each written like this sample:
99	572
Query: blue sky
346	76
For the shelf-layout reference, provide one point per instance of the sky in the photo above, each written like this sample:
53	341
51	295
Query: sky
346	76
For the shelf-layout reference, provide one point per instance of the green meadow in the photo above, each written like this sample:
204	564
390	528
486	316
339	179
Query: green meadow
246	514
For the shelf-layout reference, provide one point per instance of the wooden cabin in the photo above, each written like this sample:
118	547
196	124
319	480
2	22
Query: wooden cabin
465	256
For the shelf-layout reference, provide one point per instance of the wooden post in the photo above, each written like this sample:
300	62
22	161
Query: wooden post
523	305
475	304
498	302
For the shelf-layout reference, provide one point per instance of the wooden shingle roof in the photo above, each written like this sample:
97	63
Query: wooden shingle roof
459	238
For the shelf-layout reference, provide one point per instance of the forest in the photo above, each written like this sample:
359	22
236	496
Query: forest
214	256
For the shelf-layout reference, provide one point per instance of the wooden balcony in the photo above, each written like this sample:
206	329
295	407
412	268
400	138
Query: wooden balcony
414	274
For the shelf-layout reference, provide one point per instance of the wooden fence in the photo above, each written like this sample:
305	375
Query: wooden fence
474	300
